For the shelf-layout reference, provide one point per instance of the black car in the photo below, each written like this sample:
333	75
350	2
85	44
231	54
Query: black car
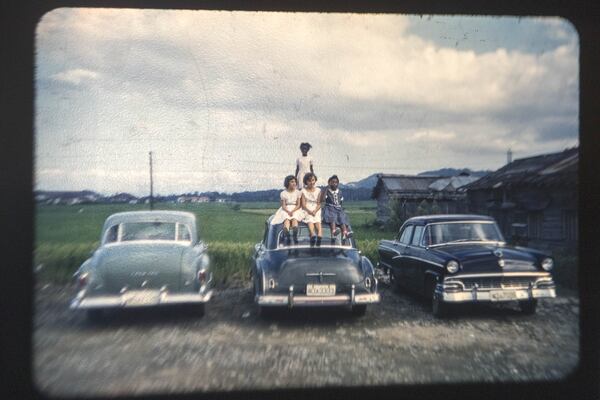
464	258
301	275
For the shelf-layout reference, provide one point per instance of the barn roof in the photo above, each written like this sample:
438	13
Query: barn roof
543	170
416	184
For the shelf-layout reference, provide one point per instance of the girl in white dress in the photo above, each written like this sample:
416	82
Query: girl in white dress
290	211
304	164
311	204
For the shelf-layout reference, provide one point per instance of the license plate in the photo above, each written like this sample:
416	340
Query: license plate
314	289
503	295
142	298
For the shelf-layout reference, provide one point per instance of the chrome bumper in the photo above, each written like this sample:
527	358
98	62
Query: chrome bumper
293	300
128	300
498	295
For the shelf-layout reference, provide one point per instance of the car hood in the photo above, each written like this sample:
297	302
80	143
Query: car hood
133	264
478	258
290	267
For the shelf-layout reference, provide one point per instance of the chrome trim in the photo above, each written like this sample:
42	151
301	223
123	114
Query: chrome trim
322	246
118	301
353	295
145	241
389	248
291	297
420	259
500	274
521	294
466	242
300	301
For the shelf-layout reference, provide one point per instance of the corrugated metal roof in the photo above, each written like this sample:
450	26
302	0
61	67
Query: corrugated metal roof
407	183
546	169
452	183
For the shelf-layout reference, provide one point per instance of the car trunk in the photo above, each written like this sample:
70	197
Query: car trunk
342	269
133	264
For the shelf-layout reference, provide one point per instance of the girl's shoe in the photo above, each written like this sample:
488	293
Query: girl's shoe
349	234
336	231
313	241
319	241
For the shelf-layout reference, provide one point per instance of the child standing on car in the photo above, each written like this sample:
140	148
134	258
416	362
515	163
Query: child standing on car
334	214
304	164
290	211
311	204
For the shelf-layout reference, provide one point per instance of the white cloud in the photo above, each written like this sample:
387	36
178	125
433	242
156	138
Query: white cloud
75	76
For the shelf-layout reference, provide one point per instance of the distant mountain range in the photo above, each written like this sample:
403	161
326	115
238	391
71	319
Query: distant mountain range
359	190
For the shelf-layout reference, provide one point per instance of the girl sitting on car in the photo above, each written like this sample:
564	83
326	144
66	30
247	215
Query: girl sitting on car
290	211
311	204
334	214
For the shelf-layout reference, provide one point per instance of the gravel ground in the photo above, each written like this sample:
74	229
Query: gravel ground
172	350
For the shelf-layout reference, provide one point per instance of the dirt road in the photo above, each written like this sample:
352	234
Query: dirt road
398	341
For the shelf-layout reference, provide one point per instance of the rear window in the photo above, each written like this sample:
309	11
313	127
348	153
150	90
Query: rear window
136	231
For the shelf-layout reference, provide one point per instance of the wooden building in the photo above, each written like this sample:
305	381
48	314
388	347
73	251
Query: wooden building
410	191
533	199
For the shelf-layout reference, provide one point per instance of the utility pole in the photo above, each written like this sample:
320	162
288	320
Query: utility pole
151	185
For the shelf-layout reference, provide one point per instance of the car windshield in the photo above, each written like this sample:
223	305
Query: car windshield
457	232
304	238
135	231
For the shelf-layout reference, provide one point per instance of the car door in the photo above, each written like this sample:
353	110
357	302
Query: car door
399	263
413	254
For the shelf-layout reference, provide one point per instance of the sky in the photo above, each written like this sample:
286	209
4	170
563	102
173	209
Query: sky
224	99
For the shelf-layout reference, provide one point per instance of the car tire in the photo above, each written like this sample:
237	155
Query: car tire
265	312
95	315
438	307
359	310
528	307
199	309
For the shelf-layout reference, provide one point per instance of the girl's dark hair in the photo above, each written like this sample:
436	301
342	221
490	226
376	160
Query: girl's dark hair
305	144
307	176
286	181
333	177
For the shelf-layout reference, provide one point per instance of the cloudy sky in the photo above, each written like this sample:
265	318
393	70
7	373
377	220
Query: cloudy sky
223	99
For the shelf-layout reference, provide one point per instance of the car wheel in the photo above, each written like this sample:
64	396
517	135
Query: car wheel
438	307
528	306
95	315
359	310
266	312
199	309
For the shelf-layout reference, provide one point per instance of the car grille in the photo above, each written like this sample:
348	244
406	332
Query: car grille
513	282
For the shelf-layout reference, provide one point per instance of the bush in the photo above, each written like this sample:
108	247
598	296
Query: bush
368	249
58	262
230	262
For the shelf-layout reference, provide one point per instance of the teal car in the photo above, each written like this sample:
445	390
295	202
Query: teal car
145	258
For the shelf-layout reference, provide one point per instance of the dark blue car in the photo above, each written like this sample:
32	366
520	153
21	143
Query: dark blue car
464	258
332	274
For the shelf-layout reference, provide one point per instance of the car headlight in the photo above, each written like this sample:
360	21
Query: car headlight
452	266
547	264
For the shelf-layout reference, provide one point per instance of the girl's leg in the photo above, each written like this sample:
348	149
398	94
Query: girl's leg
286	231
319	233
295	231
311	230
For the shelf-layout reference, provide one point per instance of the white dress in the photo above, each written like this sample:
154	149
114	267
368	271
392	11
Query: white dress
291	200
303	164
312	200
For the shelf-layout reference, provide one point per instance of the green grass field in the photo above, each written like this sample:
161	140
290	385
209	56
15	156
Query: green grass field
65	235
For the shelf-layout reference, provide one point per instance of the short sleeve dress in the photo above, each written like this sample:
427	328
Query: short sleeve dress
303	163
291	199
312	201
